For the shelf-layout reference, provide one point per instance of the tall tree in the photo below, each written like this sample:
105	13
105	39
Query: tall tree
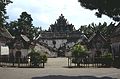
24	26
13	28
3	4
104	29
61	25
88	30
25	23
110	8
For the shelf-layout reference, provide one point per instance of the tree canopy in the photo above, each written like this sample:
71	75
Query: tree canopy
61	25
110	8
24	26
78	52
104	29
3	4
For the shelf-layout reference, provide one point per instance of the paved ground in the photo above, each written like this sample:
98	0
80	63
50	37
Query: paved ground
59	72
57	63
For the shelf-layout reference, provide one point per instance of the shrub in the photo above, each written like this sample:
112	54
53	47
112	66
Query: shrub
78	52
107	59
44	58
36	58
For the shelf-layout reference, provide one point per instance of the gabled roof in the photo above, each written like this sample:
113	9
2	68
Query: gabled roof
84	37
23	40
94	35
116	30
4	33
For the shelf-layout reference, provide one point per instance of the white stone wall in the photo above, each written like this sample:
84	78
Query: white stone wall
44	50
71	44
41	49
59	42
68	54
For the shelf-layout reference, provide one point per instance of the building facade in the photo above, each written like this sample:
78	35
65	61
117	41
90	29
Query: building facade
60	37
5	37
115	45
19	46
97	45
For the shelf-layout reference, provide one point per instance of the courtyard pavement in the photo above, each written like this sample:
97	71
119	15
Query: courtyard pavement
55	69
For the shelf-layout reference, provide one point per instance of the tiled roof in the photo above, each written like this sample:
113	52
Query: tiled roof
116	31
94	35
4	33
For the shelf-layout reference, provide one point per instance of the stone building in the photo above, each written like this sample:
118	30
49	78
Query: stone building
5	37
97	44
115	46
115	42
19	46
60	37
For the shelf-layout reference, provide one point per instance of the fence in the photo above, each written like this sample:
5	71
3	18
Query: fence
97	62
22	62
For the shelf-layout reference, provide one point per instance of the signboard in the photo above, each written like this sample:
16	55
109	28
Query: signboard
4	50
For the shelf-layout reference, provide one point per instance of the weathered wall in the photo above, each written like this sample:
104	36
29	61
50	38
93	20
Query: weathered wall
44	50
24	52
59	42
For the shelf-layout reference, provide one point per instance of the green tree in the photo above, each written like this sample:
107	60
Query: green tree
24	26
107	59
87	30
61	25
104	29
13	28
78	52
3	17
36	58
110	8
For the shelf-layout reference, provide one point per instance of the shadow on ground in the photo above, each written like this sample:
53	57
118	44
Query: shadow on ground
71	77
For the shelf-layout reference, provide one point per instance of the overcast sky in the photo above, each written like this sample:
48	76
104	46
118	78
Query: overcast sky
45	12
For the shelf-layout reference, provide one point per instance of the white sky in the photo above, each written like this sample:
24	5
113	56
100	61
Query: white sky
45	12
